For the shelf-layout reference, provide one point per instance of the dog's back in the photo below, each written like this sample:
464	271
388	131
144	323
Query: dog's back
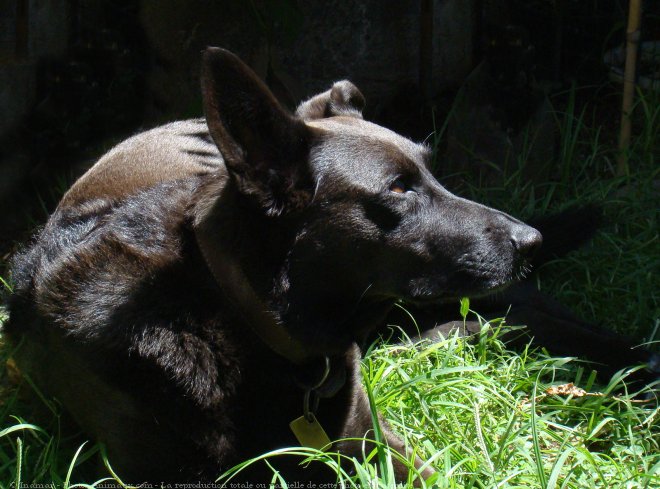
170	152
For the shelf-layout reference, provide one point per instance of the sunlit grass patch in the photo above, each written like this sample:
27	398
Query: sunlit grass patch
489	417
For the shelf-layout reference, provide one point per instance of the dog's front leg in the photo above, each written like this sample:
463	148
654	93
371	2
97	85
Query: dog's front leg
359	424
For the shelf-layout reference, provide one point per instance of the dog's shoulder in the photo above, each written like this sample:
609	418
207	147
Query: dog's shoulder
128	277
90	260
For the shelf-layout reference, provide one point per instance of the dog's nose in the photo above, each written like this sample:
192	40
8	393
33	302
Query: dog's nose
526	240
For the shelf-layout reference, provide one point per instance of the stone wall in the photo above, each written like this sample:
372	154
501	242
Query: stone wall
374	43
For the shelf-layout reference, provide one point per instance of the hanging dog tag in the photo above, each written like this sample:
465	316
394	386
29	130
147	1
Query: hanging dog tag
310	434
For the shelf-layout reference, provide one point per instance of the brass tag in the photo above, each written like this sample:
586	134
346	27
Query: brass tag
309	434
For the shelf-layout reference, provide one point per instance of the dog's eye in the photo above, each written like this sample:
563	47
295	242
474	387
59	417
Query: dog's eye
398	186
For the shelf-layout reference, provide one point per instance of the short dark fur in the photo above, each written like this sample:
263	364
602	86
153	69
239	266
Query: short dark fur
129	315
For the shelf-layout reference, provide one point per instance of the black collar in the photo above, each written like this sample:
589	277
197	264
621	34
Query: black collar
324	376
238	290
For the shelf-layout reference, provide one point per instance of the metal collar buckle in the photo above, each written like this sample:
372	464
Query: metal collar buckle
311	398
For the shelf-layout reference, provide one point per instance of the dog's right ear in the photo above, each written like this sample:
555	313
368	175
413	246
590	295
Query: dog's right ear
343	98
265	148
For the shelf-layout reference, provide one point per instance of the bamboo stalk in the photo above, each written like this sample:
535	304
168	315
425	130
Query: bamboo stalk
632	45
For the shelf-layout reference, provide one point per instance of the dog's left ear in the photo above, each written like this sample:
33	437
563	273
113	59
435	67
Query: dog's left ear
343	98
265	148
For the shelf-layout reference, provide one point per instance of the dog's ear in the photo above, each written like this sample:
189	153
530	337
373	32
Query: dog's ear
265	148
343	98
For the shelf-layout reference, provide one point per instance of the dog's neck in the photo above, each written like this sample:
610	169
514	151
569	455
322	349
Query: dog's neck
287	311
246	258
214	232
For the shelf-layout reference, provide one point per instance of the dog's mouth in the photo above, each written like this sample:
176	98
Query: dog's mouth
466	282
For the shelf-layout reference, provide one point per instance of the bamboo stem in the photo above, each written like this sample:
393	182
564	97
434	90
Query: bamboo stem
632	44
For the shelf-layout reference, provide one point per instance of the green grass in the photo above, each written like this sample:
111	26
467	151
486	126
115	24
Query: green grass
480	414
477	412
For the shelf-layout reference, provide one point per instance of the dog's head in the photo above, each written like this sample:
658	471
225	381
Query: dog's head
370	217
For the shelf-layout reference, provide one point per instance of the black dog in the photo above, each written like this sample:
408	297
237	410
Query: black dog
206	278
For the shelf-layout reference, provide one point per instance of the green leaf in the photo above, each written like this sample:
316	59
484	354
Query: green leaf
465	307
